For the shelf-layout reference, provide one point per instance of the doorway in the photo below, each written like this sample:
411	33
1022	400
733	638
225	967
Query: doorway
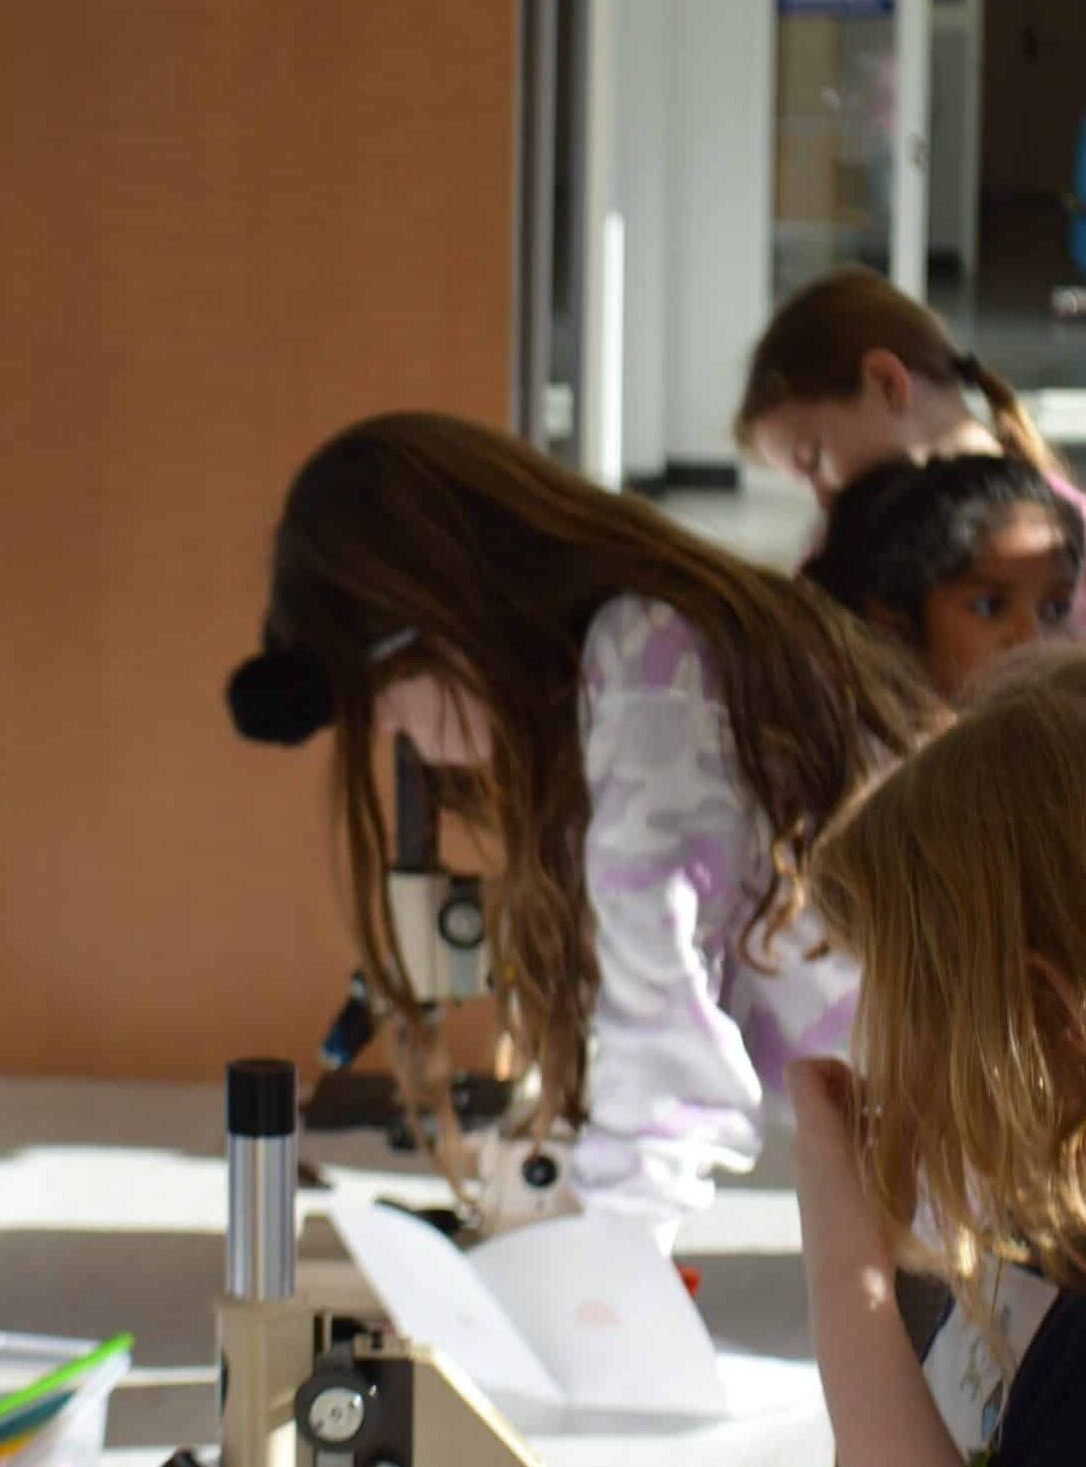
1031	95
963	177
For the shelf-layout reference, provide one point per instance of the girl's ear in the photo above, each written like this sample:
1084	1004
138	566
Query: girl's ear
888	377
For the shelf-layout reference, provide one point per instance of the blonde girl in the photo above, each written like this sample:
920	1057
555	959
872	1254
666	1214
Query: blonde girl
958	885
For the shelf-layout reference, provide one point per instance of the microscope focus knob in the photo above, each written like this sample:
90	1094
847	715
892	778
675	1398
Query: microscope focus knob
539	1171
460	920
336	1414
331	1408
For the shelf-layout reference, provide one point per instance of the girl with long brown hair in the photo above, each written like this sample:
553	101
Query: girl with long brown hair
852	372
655	731
958	886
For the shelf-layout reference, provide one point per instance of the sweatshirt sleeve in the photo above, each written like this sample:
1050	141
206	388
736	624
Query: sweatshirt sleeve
668	857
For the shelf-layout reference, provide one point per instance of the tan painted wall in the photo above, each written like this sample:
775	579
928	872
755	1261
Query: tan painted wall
228	229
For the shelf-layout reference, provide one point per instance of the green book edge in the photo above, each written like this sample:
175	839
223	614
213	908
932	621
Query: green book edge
64	1375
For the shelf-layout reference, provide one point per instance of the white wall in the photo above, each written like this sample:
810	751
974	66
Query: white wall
721	131
954	170
693	179
642	135
601	151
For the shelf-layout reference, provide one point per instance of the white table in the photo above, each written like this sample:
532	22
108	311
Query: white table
112	1214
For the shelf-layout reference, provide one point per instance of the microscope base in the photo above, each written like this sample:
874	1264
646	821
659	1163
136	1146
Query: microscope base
421	1409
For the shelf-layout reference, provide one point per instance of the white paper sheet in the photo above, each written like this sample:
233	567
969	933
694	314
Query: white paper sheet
607	1314
434	1296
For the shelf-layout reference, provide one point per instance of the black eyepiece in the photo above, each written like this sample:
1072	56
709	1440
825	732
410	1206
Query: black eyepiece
281	697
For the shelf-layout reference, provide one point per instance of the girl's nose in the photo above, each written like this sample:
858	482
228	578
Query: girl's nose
1024	627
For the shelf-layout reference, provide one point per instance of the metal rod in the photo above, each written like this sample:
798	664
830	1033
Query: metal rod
262	1170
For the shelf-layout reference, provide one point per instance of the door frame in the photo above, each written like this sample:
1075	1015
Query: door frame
912	147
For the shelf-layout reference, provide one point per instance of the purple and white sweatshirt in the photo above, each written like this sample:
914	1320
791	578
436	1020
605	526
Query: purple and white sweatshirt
690	1042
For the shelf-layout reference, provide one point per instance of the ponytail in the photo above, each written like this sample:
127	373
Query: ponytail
816	343
1013	427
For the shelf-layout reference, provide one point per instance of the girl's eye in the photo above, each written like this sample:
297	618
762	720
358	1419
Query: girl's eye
1055	610
987	607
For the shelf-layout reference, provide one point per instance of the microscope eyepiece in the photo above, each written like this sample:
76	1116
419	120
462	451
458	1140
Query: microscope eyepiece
260	1097
262	1178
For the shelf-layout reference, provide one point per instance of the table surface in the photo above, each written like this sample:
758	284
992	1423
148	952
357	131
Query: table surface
113	1207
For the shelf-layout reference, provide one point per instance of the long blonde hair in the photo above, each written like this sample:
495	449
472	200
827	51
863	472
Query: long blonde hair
815	345
959	884
499	558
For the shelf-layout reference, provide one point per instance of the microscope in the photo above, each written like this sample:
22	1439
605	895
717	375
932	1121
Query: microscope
282	696
440	924
439	919
313	1373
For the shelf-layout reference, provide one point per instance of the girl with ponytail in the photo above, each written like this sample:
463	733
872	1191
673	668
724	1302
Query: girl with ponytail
852	372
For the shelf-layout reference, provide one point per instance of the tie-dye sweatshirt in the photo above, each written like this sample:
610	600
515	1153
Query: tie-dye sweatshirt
690	1041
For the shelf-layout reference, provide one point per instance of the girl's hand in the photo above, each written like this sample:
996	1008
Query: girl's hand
842	1234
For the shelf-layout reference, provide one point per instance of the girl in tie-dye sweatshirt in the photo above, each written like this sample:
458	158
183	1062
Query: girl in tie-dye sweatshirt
691	1033
654	731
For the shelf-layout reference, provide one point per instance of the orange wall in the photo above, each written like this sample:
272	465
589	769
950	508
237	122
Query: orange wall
228	229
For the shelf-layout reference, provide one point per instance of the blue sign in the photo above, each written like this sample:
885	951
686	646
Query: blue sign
842	9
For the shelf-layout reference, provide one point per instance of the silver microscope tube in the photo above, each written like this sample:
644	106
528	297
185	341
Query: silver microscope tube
262	1170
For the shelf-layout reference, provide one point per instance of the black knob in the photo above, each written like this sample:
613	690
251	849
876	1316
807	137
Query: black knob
540	1170
460	920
